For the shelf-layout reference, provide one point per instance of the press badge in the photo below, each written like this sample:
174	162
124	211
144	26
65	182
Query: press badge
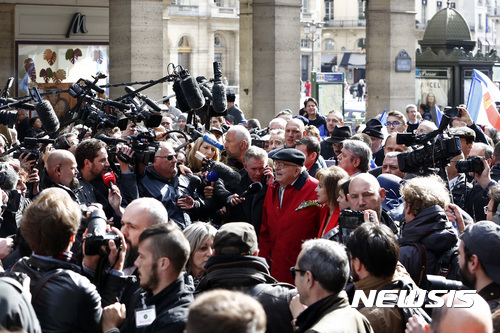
145	315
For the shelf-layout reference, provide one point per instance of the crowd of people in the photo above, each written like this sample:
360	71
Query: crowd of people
243	228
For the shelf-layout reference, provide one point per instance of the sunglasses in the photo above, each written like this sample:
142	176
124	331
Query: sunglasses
293	270
169	157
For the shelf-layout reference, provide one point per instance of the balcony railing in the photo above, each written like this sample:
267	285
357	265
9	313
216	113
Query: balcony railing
186	10
339	23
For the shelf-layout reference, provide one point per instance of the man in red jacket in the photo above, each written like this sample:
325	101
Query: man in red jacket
289	216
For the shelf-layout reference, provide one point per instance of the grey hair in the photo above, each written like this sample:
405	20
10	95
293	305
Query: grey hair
359	150
242	134
255	152
196	234
409	106
327	261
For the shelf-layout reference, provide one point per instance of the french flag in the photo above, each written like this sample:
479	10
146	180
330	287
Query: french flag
481	103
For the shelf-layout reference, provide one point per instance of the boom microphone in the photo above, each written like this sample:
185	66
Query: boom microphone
191	90
152	104
218	91
110	140
252	189
228	175
182	102
8	177
21	106
46	113
91	85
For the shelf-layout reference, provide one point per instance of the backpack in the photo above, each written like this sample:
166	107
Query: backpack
446	264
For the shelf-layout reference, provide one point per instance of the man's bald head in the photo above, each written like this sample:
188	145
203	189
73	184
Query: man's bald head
365	193
463	317
62	168
58	157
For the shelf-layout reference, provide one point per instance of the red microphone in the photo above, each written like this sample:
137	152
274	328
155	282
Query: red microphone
109	179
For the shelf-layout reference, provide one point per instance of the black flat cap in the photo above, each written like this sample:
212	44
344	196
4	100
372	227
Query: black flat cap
290	155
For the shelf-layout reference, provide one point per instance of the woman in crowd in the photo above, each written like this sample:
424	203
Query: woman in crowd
201	240
327	191
343	187
210	152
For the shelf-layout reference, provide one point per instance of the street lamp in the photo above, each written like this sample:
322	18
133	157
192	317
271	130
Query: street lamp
313	28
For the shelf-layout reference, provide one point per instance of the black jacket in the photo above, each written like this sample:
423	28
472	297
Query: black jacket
433	230
171	308
64	300
251	275
16	312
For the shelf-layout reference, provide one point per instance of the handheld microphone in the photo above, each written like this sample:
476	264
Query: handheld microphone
212	176
219	99
182	102
94	87
109	179
213	142
152	104
46	113
191	90
252	189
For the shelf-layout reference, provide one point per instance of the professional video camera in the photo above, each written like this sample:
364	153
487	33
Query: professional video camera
29	146
435	153
144	146
97	119
97	239
8	118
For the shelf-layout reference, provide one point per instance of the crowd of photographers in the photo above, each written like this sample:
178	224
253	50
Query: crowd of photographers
127	230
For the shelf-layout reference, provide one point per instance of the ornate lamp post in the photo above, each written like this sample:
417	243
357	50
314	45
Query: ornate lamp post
313	28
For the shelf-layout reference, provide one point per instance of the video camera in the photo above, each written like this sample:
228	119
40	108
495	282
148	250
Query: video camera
436	152
144	146
471	164
29	146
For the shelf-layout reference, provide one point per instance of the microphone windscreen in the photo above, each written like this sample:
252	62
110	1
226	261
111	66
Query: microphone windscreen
219	98
227	174
47	116
212	176
193	94
182	103
206	92
8	177
109	178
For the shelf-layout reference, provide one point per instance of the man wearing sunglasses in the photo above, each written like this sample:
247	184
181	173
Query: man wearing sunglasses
320	274
161	181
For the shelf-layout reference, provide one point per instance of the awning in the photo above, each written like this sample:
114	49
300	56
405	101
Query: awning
353	60
328	58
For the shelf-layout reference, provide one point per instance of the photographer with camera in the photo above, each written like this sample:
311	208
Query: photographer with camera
480	159
63	298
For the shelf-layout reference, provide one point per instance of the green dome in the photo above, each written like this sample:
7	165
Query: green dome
447	30
447	24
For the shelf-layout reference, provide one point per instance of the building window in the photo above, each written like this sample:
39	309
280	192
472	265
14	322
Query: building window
217	41
439	4
329	44
361	9
184	57
304	43
452	5
480	22
328	10
305	6
361	44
